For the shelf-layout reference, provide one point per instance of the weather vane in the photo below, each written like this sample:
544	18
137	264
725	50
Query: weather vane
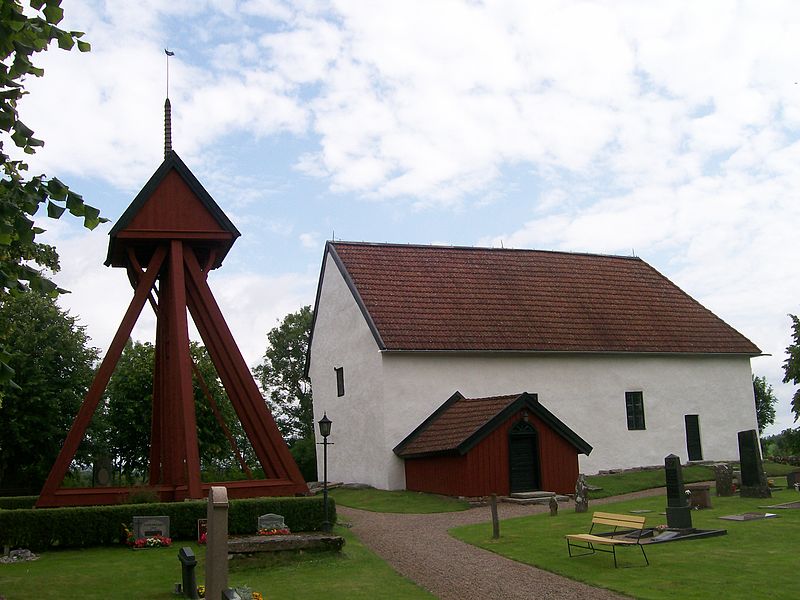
167	113
168	53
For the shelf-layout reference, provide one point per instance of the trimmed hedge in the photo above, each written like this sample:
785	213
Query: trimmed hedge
82	526
15	502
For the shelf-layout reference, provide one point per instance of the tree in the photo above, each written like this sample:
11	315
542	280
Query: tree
128	408
791	366
128	412
765	402
53	363
786	443
282	375
21	196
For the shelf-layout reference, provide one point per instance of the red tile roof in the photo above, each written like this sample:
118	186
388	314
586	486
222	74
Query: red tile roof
438	298
462	418
460	423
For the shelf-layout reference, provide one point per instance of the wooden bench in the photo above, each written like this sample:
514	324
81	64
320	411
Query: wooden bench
622	525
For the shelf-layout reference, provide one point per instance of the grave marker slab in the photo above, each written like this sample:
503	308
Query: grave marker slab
754	482
581	495
792	479
271	521
150	526
751	516
724	479
679	514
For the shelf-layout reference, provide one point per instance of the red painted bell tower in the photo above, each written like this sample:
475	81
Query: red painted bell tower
170	237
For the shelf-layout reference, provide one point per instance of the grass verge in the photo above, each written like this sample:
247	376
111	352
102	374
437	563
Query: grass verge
121	573
396	501
625	483
738	564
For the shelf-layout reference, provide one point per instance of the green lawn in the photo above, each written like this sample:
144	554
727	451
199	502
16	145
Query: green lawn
754	555
397	501
624	483
121	573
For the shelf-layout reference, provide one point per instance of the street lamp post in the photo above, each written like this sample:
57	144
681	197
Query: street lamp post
325	431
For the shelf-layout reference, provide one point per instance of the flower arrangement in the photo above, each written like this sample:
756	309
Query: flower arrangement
274	531
156	541
203	538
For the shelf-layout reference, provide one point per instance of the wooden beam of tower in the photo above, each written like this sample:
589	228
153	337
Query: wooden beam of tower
185	427
101	379
245	396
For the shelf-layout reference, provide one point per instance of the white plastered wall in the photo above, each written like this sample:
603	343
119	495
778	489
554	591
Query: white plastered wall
343	339
587	392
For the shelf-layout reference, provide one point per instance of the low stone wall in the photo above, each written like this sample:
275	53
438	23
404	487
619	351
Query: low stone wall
253	544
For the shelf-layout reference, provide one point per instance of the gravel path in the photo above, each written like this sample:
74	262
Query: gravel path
418	547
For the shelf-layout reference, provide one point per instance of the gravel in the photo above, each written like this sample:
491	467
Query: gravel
419	547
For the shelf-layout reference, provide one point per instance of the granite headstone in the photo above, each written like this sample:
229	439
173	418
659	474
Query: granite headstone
792	479
724	479
754	482
679	514
150	526
271	521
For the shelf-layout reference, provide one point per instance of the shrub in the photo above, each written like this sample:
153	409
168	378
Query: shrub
82	526
16	502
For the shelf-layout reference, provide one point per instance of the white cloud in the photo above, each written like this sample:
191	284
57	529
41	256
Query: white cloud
309	240
253	304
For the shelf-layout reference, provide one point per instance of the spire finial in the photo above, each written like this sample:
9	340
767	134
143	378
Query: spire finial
167	113
167	128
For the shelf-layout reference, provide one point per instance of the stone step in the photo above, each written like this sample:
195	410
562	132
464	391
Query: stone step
530	495
539	500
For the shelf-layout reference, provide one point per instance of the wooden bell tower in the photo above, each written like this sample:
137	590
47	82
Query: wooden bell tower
170	237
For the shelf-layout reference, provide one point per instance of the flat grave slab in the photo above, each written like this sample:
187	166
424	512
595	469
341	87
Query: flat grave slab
750	516
784	505
252	544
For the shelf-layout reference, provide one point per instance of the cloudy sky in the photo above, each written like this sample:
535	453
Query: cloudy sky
666	129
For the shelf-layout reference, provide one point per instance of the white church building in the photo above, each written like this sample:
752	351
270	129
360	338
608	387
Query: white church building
486	365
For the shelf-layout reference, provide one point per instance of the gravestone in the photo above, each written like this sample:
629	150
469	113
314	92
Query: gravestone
271	521
581	495
792	479
145	527
102	470
553	506
724	479
754	482
217	542
679	514
699	495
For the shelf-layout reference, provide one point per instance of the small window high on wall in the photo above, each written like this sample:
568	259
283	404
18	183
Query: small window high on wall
634	407
339	381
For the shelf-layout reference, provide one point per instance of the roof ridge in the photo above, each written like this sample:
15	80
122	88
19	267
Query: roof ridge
482	248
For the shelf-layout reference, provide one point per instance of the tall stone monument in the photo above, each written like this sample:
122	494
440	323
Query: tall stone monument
217	542
679	513
754	482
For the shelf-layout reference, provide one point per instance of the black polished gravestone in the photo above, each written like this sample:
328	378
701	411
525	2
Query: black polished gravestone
679	513
754	482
